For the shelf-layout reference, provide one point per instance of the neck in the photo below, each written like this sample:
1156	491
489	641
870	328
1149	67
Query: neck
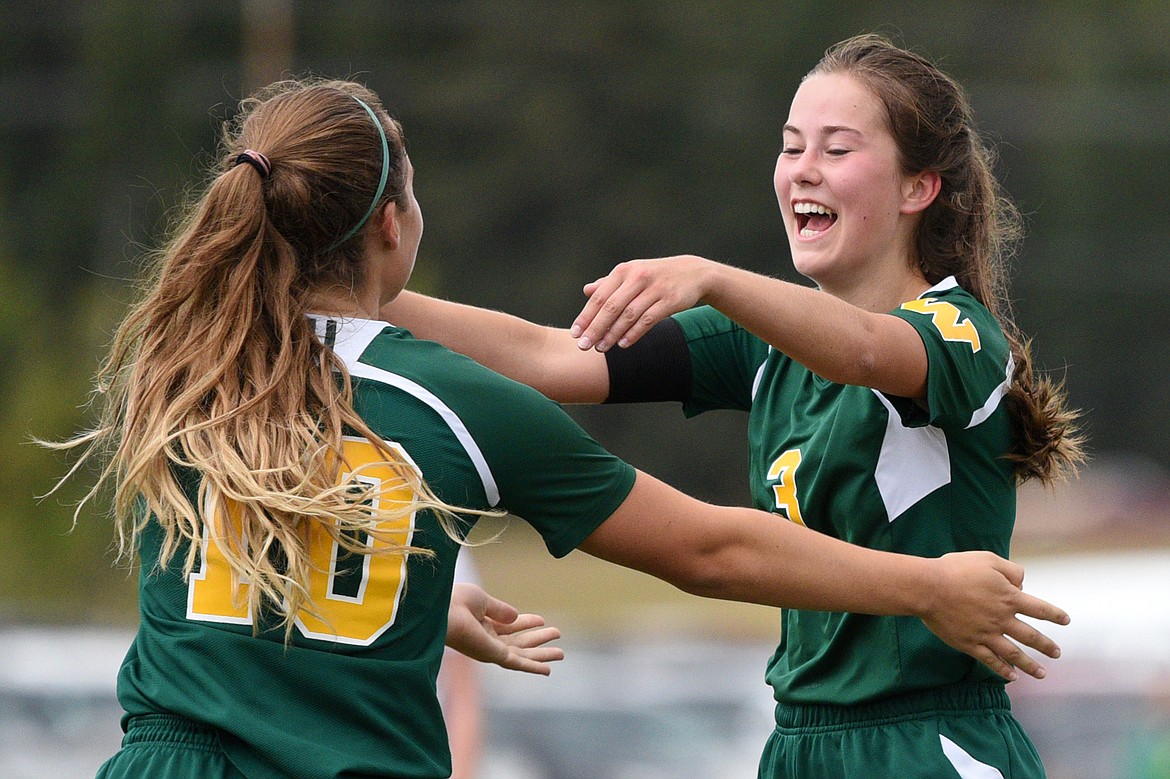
346	303
879	295
878	285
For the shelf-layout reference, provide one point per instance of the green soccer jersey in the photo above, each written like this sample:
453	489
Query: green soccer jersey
354	693
881	472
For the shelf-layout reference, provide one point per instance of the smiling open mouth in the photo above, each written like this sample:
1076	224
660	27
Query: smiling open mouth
812	219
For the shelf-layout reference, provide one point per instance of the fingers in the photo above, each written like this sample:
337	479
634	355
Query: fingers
525	640
522	622
634	297
540	654
528	637
526	664
1031	606
1003	656
547	654
1013	572
499	611
528	651
531	638
1022	662
1031	637
611	312
640	318
1009	655
996	663
981	615
1006	657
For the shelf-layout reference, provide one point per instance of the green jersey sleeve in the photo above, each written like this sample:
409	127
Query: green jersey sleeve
725	361
968	356
533	459
550	472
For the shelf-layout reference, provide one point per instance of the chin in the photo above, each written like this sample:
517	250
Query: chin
807	265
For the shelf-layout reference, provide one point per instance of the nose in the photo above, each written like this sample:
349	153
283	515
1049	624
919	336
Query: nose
803	168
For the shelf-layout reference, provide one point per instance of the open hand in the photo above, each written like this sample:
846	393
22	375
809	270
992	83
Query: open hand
975	609
492	631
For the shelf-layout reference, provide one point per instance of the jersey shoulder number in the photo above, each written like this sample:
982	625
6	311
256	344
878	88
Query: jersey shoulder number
948	320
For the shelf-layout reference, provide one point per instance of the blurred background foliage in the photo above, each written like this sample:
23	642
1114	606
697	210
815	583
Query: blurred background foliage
552	140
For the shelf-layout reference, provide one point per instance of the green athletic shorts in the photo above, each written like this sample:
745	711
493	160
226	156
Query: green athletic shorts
162	746
959	732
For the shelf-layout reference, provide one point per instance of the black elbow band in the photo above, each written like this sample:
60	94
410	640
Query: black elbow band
656	368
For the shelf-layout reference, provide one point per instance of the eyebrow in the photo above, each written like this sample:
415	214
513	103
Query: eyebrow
831	129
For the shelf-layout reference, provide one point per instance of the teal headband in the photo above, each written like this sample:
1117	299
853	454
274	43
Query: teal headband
381	182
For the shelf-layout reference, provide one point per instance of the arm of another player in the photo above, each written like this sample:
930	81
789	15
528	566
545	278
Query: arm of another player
836	340
461	695
492	631
970	600
544	358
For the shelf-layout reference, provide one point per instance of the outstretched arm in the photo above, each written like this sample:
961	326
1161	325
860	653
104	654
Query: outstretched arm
971	600
544	358
836	340
492	631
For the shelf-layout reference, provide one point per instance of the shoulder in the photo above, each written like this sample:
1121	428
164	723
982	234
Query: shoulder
946	312
441	405
969	357
388	361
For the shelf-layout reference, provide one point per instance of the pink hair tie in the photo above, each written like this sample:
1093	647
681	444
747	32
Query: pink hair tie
256	160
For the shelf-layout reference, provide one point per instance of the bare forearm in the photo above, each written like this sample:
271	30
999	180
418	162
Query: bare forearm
541	357
747	555
817	572
970	600
839	341
787	316
500	341
832	338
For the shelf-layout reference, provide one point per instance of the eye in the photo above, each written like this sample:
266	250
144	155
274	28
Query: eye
789	150
837	152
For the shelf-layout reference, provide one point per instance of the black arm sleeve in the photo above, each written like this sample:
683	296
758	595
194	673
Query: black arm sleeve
657	367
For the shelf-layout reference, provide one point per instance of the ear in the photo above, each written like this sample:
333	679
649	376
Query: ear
388	225
920	190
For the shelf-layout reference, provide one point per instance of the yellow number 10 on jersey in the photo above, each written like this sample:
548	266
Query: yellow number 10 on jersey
347	619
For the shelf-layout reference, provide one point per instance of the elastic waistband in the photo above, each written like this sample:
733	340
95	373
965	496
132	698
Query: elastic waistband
982	697
169	729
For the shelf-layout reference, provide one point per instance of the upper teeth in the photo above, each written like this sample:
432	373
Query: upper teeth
811	208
